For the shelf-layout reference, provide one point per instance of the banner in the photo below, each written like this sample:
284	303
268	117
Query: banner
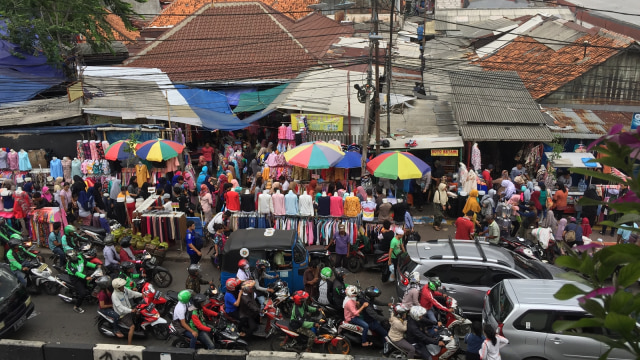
317	122
444	152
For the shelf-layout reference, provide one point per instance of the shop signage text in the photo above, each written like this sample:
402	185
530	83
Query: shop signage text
316	122
444	152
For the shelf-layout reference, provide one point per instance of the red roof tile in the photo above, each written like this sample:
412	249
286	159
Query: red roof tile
317	32
544	70
120	32
233	41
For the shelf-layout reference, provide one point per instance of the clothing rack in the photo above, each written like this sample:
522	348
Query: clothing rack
41	221
169	226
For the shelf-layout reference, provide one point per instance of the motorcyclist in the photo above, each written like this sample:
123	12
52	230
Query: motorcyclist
439	293
398	321
417	328
259	275
75	268
412	293
352	313
299	317
55	244
324	286
194	280
180	317
249	310
105	304
126	252
244	270
16	256
197	321
232	299
111	256
127	272
338	287
69	238
370	315
121	299
428	301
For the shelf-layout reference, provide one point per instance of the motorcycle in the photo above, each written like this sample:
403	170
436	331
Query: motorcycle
96	235
280	296
319	254
88	251
154	273
41	276
451	350
68	293
522	246
362	257
147	319
151	296
224	335
327	336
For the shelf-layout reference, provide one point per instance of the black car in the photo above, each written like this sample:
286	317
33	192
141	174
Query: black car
15	302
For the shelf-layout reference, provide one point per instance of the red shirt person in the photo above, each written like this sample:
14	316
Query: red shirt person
207	152
465	226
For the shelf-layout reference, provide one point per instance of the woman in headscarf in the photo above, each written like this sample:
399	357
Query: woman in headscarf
206	202
361	193
509	188
487	203
440	205
235	184
586	228
78	185
176	176
202	177
87	205
133	188
535	198
528	191
560	229
97	196
472	203
549	221
590	211
46	194
222	181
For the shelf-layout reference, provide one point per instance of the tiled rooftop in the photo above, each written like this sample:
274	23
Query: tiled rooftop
180	9
228	41
120	32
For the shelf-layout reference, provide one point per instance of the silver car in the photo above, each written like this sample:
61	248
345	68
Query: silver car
523	311
468	269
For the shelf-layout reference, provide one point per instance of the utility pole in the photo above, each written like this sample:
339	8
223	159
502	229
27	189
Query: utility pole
389	52
376	99
367	113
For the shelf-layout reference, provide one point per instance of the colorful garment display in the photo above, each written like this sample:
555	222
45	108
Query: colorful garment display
23	161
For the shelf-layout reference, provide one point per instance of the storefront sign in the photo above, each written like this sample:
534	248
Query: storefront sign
635	121
316	122
444	152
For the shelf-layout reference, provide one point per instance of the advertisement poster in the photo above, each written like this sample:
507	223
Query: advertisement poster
317	122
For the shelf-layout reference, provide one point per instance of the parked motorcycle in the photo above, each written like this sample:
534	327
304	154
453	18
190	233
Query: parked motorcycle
68	293
319	254
147	319
522	246
327	336
363	257
41	276
96	235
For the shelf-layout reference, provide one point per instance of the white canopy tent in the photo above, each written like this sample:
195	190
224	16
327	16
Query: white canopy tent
572	159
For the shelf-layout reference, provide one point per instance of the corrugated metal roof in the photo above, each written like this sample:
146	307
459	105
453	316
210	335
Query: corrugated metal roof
475	30
39	111
493	97
505	133
576	123
554	34
450	19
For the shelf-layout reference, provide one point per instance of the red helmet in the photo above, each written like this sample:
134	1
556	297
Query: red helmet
300	297
232	284
242	263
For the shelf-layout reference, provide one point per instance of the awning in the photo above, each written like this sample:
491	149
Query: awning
572	159
204	99
258	100
423	142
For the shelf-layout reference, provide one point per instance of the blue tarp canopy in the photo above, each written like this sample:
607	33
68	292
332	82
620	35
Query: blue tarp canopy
25	76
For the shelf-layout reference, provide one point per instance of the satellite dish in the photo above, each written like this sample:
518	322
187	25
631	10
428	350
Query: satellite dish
318	6
244	252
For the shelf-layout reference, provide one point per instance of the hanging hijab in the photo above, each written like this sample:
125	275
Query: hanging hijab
586	228
561	225
472	203
510	189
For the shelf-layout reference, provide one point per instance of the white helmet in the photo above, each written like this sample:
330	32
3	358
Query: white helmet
351	291
417	312
414	278
399	310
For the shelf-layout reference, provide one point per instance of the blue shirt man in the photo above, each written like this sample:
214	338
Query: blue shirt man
55	244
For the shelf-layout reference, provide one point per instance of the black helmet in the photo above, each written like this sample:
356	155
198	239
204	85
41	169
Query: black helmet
193	269
14	242
103	281
198	300
372	292
108	240
125	242
339	273
127	265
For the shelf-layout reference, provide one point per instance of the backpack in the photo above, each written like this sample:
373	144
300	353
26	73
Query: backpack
570	236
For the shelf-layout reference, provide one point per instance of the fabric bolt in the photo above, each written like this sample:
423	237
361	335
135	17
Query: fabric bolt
291	203
23	161
86	150
278	204
3	159
56	168
305	205
352	207
337	209
99	150
79	150
94	151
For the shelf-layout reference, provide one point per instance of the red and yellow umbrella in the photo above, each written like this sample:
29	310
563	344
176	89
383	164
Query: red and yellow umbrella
159	150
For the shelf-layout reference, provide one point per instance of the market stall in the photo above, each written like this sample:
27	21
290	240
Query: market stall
567	160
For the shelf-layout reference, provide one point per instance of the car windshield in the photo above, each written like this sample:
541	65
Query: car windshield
532	268
8	283
407	266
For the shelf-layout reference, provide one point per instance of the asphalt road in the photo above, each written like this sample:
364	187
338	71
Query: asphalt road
57	322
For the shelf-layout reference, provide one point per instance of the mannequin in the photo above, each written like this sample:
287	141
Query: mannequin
13	160
21	208
265	203
305	204
3	159
76	168
324	205
278	203
56	167
247	201
384	210
66	168
23	161
352	207
368	208
28	185
291	203
336	205
232	200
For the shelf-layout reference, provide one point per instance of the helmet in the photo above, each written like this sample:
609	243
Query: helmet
248	286
193	269
417	312
69	229
432	286
326	273
16	236
351	290
150	290
436	280
125	242
118	283
127	265
103	281
400	310
372	292
184	296
414	278
262	264
71	254
198	300
14	242
108	240
232	284
339	273
242	263
300	297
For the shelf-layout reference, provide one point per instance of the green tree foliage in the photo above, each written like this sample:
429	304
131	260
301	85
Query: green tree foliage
53	27
611	270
